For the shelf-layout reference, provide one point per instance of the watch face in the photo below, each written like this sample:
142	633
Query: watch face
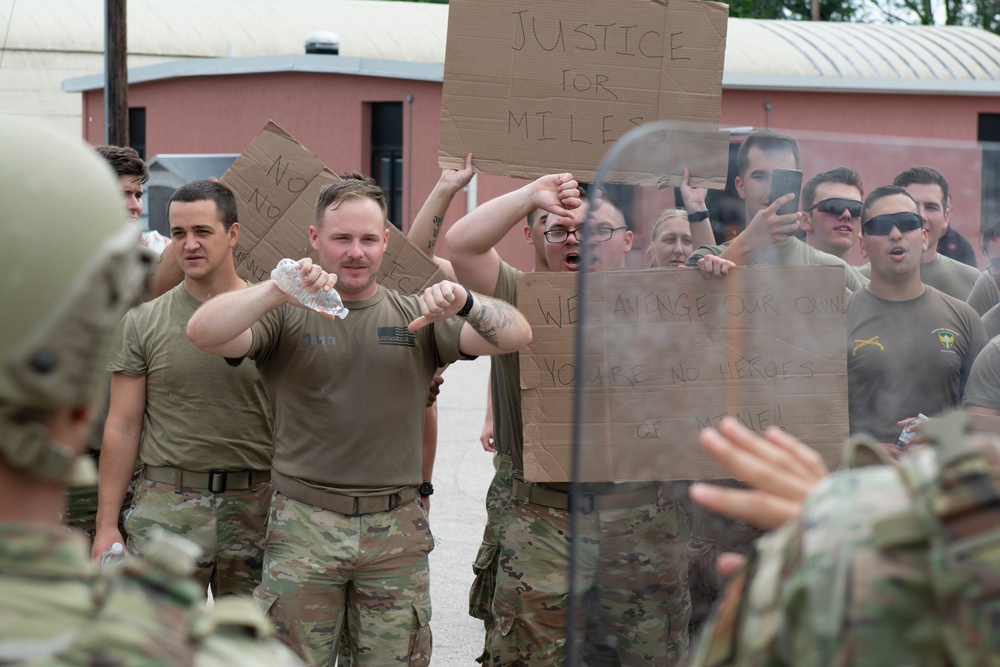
426	488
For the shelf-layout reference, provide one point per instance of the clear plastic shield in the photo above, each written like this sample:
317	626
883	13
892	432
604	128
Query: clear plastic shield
659	352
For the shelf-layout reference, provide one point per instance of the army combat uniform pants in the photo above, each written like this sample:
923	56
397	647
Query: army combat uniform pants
228	526
321	565
632	569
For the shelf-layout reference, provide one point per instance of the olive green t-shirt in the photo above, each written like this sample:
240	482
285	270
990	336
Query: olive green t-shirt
201	413
984	294
793	253
945	275
983	387
349	395
907	357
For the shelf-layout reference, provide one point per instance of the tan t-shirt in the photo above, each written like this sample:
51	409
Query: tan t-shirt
907	357
201	413
983	388
945	275
349	395
984	294
793	253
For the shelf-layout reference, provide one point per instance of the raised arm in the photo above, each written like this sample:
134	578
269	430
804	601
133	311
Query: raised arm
221	326
765	230
694	204
471	239
427	225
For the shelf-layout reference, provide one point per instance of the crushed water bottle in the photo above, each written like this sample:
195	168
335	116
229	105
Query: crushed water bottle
288	278
904	444
114	555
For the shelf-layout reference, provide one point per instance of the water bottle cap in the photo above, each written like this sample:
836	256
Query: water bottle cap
117	548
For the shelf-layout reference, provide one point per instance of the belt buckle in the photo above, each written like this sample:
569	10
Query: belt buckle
395	500
217	480
587	507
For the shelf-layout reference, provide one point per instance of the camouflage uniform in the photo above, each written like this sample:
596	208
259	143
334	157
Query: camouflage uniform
58	610
632	572
227	526
313	556
886	566
711	536
498	498
632	568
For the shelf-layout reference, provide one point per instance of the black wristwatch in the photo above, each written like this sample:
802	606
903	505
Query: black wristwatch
426	489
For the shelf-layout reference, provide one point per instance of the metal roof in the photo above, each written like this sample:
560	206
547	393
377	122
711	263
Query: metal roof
409	31
861	57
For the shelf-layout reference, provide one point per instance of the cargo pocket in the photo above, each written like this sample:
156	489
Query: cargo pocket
484	583
420	637
267	604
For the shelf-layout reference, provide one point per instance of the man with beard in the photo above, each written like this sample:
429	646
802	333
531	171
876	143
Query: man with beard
345	537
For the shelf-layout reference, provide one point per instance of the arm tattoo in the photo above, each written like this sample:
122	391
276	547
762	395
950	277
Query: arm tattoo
438	220
490	316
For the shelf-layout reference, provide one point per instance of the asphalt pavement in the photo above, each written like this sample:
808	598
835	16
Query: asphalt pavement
462	473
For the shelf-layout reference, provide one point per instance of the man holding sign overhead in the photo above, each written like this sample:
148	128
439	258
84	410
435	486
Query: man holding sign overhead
644	603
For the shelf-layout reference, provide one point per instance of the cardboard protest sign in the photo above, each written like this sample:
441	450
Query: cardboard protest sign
532	88
277	182
668	353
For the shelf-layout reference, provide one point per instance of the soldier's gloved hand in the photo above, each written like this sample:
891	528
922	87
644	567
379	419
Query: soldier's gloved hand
780	470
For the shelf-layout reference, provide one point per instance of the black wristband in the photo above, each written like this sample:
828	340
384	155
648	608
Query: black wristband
468	303
698	216
426	489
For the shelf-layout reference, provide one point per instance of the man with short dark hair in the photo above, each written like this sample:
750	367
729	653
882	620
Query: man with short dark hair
769	237
347	538
910	346
201	427
133	173
831	204
929	189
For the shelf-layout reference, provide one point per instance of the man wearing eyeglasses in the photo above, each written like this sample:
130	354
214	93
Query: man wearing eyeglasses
645	605
831	203
910	346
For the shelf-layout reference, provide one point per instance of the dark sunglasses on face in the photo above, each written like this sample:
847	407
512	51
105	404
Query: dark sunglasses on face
836	205
881	225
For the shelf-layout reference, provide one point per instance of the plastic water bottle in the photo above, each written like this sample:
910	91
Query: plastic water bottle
114	555
288	277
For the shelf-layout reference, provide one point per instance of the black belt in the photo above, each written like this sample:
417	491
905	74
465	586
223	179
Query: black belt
536	494
215	481
338	502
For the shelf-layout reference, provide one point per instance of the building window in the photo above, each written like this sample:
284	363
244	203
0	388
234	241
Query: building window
989	136
137	130
387	156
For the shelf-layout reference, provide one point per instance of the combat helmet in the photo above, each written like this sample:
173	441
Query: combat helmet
70	267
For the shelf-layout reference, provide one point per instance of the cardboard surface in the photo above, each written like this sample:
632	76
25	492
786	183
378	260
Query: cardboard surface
277	182
532	88
669	353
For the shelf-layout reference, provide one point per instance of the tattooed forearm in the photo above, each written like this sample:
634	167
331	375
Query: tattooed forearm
438	221
489	316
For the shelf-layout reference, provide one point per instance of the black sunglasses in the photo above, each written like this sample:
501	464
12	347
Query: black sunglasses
881	225
836	206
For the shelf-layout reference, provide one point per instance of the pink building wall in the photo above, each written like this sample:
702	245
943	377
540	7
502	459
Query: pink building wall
328	114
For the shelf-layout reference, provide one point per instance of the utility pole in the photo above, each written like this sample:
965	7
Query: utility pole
814	10
115	74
